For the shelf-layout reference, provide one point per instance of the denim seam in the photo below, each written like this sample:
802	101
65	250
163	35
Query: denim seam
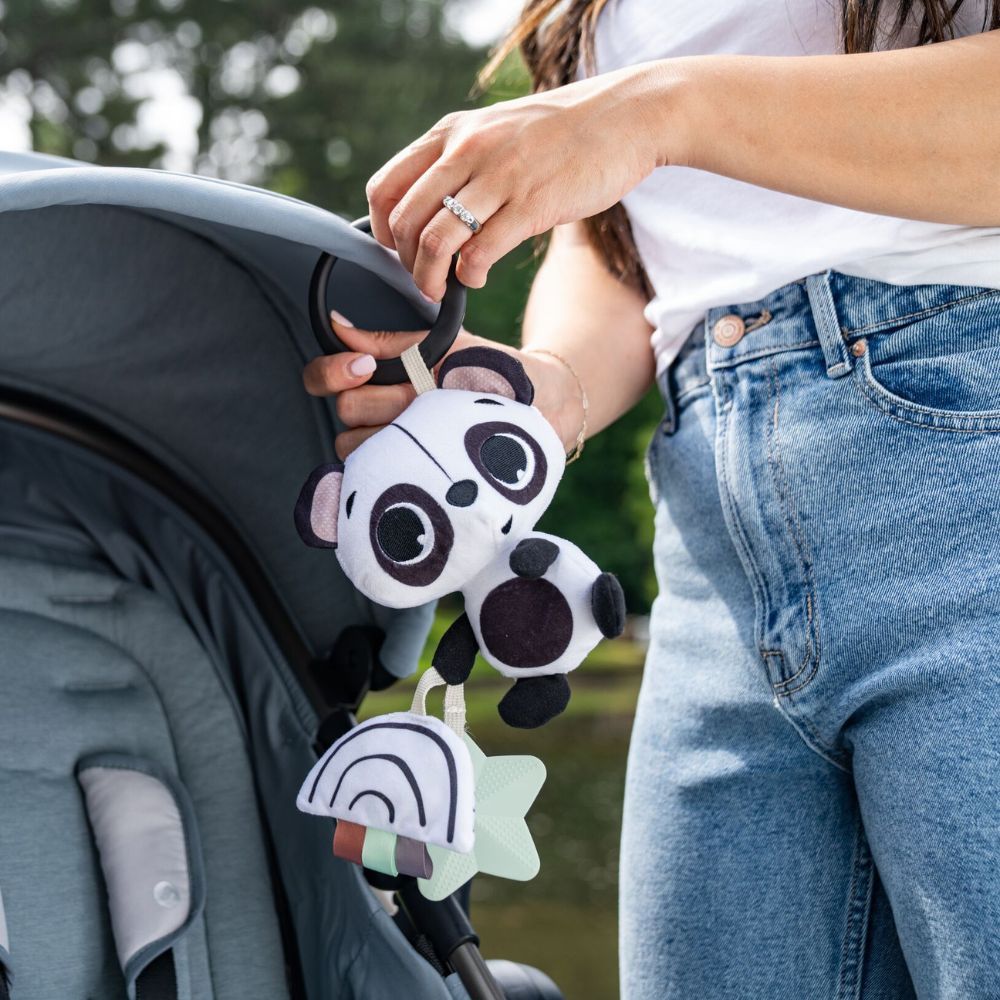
935	420
919	314
794	527
764	352
684	393
808	734
731	514
859	902
758	587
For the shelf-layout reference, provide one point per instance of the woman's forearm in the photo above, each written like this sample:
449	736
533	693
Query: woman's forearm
911	132
580	311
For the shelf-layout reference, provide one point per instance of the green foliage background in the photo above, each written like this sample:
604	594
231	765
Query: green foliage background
308	100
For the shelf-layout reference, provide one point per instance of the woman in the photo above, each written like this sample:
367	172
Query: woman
811	234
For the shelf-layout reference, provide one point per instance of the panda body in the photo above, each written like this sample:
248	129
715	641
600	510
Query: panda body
534	626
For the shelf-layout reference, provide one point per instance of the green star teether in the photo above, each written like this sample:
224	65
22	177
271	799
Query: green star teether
505	788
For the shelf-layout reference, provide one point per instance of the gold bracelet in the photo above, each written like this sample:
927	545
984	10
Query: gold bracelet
577	450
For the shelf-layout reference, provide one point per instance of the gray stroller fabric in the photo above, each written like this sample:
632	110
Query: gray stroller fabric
91	665
170	310
124	630
131	296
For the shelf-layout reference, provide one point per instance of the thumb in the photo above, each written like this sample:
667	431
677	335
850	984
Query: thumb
333	373
377	343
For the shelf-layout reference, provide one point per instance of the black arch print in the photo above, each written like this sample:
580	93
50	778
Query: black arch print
385	798
445	749
407	773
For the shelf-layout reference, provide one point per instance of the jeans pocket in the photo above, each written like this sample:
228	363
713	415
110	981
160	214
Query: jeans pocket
940	369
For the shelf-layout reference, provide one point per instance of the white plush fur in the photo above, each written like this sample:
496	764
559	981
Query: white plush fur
439	421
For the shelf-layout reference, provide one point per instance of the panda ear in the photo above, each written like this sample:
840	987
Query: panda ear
318	506
485	369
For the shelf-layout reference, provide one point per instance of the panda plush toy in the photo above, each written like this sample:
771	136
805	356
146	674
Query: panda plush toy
445	499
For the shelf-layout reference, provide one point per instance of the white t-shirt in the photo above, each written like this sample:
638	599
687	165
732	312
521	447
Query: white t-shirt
709	241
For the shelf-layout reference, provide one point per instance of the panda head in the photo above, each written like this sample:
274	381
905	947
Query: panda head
425	504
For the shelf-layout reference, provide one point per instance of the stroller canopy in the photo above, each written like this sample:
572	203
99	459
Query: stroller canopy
173	310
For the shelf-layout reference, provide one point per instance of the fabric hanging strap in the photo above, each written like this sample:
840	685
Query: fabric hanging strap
454	700
416	369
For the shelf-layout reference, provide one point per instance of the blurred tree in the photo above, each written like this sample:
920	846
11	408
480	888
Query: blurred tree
308	100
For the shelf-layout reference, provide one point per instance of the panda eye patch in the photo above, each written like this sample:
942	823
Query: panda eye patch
410	535
508	458
349	506
403	534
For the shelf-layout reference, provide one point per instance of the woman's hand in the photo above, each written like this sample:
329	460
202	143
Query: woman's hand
365	409
521	167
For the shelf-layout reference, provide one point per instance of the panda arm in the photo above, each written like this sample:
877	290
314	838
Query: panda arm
532	557
456	652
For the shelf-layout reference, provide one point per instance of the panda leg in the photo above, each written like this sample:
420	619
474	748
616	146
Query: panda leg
607	601
533	701
456	652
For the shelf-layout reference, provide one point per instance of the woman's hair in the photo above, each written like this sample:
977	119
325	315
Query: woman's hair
556	38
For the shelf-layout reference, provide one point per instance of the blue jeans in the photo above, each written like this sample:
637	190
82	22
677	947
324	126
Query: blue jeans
813	789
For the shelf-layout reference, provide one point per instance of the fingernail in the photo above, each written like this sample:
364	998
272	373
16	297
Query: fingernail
429	298
340	318
363	365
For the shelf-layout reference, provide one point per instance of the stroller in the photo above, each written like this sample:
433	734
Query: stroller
172	658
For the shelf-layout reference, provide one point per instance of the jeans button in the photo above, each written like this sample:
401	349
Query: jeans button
728	330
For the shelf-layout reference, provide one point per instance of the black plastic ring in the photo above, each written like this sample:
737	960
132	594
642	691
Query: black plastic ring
388	371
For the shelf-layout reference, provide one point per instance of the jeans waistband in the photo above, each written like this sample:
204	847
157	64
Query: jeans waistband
828	310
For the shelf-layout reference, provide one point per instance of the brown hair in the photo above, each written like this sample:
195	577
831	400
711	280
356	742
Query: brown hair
556	38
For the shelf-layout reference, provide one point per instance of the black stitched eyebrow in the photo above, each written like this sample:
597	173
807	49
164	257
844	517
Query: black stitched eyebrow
423	449
490	402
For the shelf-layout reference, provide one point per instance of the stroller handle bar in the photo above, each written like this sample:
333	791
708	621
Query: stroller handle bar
388	371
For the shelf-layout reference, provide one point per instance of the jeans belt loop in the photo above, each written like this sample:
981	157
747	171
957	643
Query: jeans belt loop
839	360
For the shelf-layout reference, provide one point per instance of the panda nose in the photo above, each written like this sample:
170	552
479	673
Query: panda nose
462	494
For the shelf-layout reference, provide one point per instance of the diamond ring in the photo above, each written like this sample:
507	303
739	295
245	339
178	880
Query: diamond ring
460	211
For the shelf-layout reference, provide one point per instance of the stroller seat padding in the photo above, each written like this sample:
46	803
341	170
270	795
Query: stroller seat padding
91	665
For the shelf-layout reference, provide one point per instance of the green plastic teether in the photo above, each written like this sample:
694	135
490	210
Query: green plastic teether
505	789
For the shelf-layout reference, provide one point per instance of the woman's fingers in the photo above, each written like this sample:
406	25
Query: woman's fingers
349	440
498	237
445	234
409	218
332	373
374	404
391	182
378	343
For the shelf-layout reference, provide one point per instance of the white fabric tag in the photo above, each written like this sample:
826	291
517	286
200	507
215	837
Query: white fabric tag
418	372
